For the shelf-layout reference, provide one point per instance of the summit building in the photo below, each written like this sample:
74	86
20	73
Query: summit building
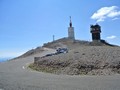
71	31
95	31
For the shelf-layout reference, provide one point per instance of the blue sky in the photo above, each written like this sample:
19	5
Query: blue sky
26	24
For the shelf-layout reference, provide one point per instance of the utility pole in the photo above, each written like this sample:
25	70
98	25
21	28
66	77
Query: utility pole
53	37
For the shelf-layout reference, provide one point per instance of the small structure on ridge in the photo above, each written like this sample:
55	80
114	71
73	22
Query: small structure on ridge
95	30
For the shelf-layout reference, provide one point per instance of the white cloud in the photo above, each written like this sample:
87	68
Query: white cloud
115	18
106	12
111	37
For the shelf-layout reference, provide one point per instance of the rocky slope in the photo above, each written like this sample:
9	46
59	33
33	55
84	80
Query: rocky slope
63	42
83	58
93	60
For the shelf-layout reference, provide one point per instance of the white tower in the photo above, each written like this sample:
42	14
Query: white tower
71	31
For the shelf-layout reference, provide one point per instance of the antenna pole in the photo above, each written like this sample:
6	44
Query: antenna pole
53	37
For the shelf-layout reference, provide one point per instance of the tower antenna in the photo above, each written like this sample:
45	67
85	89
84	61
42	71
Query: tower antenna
70	18
70	22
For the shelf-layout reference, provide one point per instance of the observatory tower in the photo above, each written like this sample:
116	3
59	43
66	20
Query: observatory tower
71	31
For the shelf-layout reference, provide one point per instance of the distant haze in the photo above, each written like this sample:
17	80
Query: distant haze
5	59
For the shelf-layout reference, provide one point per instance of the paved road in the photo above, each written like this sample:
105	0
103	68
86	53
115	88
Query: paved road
15	76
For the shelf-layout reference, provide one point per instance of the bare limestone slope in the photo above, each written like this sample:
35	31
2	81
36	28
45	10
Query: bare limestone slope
83	58
63	42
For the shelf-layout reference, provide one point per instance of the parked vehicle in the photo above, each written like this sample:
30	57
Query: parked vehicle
58	51
62	50
51	54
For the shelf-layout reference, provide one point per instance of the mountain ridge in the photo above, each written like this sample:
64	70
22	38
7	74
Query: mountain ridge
93	58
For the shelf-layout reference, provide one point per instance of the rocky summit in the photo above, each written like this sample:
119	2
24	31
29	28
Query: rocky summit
82	58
